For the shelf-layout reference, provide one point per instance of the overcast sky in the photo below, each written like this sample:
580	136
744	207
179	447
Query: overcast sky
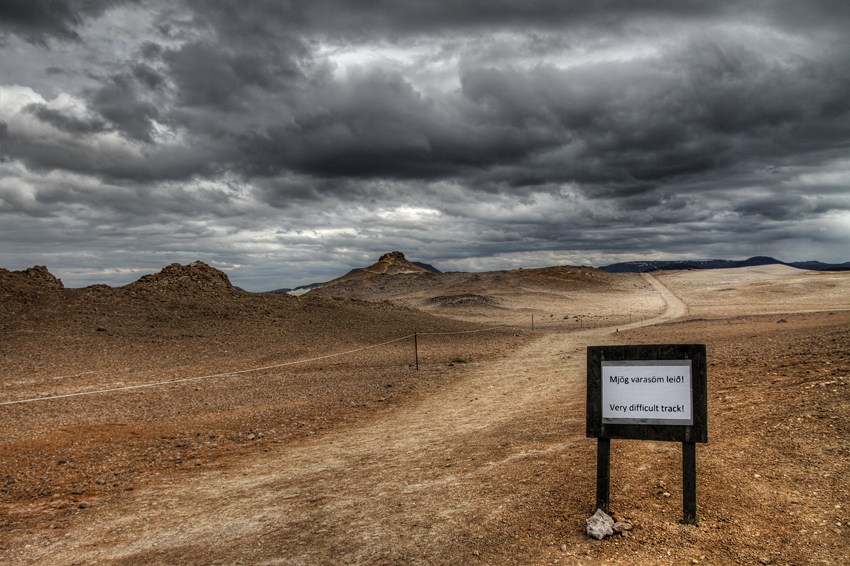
287	142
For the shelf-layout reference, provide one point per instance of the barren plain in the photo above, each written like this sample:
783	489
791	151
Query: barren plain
209	449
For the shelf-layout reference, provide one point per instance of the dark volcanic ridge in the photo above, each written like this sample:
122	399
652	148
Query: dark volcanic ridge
196	275
677	265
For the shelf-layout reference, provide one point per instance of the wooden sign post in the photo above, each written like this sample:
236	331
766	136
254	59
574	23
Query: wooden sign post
648	392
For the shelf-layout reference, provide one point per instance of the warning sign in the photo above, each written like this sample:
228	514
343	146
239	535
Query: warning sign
647	392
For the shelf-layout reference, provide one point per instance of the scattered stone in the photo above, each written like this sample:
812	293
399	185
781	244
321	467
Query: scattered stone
251	436
600	525
622	526
83	505
461	300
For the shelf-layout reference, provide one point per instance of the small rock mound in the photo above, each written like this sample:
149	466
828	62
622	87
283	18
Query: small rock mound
601	525
461	300
196	275
36	277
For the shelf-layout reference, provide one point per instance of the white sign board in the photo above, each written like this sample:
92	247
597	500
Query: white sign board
647	392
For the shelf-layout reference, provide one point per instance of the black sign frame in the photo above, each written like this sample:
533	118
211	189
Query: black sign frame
695	353
688	434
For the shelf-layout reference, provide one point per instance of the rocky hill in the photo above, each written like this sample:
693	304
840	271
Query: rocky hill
173	318
192	276
393	263
36	277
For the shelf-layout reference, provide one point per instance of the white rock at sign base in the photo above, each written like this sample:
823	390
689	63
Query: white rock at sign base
600	525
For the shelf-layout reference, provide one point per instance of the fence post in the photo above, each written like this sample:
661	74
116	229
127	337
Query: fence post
416	349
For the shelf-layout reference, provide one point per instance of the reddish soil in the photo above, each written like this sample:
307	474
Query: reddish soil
478	457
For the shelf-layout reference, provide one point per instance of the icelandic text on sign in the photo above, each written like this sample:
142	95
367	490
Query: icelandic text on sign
647	392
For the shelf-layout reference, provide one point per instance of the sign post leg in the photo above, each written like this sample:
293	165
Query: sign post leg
603	473
689	483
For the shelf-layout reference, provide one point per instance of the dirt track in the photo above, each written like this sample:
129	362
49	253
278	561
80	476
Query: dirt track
493	468
397	488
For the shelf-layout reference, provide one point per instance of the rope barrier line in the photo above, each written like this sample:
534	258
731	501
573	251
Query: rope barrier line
461	331
202	376
227	374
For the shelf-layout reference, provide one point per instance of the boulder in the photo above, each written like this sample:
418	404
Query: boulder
600	525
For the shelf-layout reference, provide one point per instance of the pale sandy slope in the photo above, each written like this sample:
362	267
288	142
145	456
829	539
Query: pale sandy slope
769	289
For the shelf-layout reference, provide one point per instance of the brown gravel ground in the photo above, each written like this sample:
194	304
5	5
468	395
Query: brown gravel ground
477	458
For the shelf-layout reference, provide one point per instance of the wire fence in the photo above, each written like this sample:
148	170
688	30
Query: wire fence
249	370
540	322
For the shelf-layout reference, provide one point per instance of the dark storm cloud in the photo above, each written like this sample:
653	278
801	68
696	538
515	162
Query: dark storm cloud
60	121
710	106
363	17
107	163
489	128
366	20
37	21
148	76
119	102
688	111
377	125
782	207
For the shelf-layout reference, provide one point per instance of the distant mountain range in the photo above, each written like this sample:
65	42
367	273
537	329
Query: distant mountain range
647	266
